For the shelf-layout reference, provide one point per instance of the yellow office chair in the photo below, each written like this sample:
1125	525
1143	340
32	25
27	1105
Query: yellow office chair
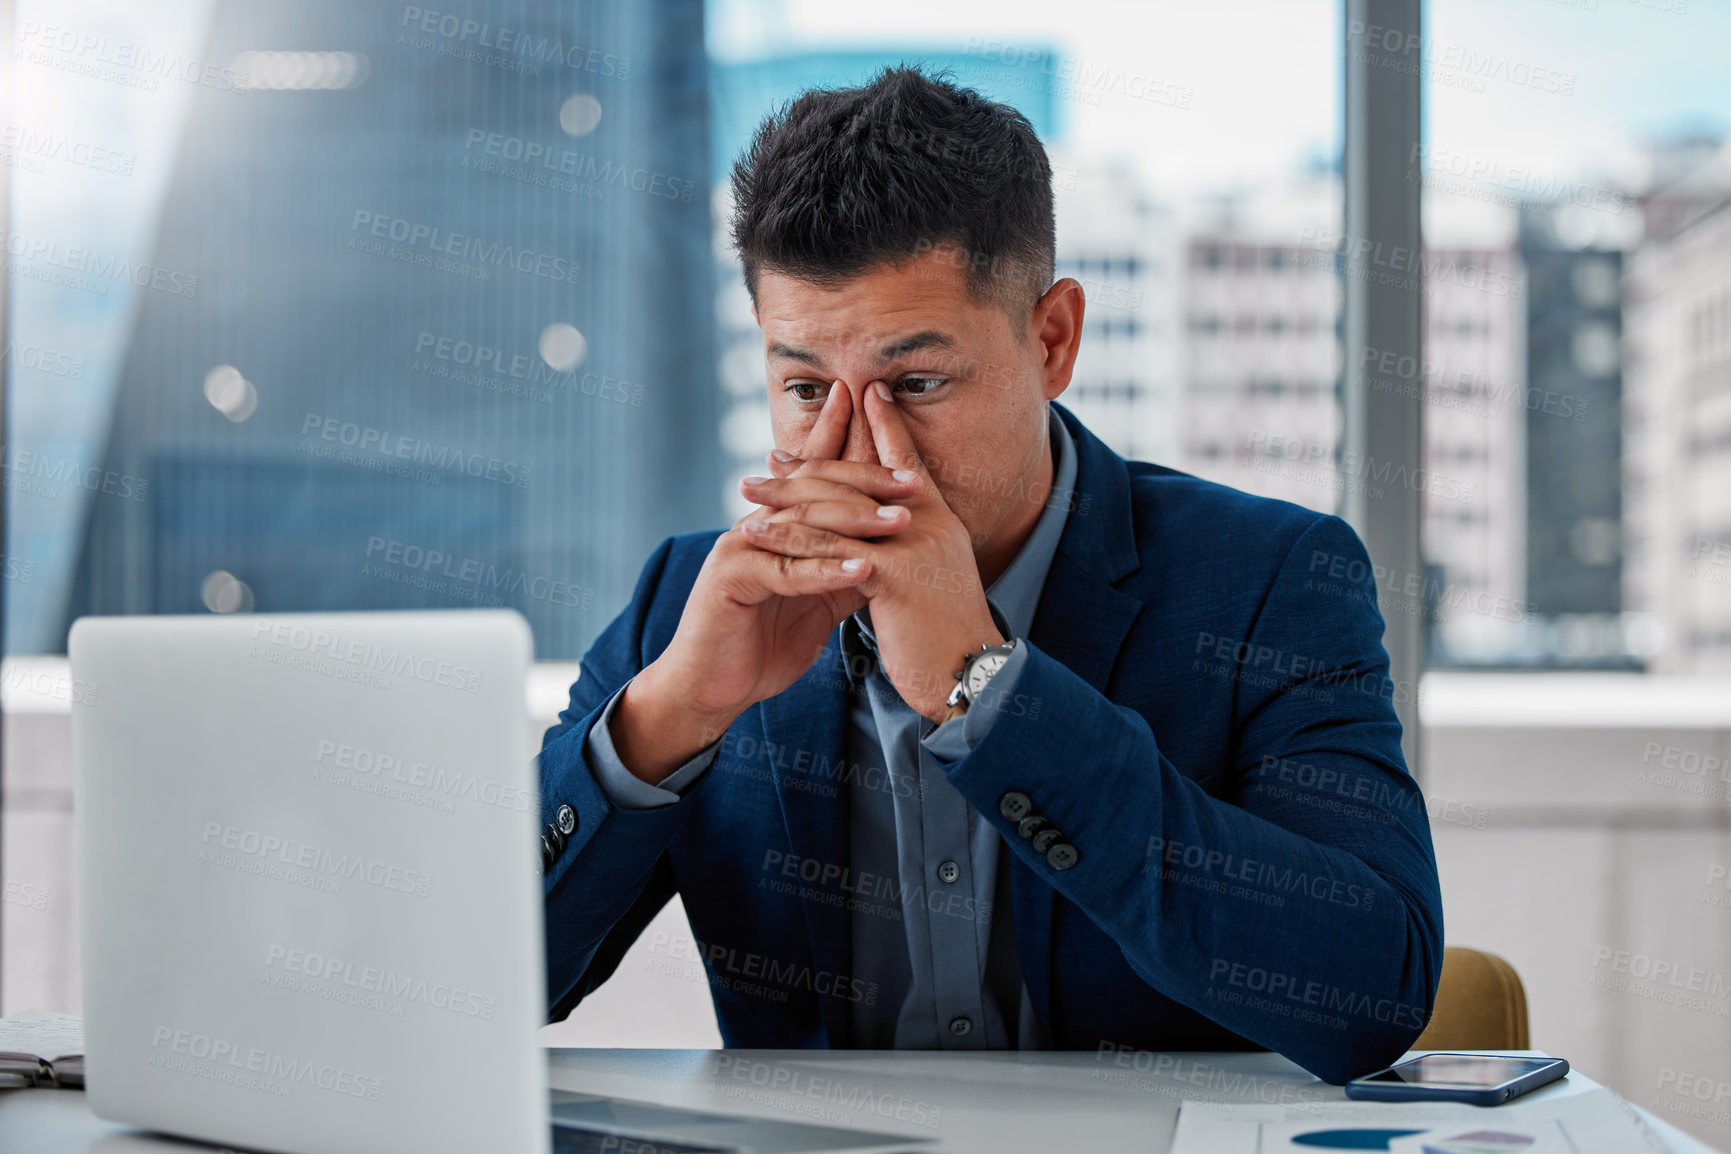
1480	1005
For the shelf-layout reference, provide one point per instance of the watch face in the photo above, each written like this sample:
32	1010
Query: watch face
981	671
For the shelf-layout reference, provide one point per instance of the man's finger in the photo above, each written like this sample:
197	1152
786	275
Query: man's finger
801	539
862	522
828	437
890	434
754	575
830	480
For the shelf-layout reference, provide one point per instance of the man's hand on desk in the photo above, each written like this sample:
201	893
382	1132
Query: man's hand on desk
928	606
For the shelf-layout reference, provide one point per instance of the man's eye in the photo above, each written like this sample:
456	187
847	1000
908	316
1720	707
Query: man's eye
804	390
918	386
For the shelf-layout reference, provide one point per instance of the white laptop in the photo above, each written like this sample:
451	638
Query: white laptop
308	853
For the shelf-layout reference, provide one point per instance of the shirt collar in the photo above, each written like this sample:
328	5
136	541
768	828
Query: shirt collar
1015	595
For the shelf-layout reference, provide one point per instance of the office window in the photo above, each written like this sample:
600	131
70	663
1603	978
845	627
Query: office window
1575	215
336	306
1574	237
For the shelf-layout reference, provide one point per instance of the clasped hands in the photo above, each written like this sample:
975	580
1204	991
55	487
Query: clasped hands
829	537
901	548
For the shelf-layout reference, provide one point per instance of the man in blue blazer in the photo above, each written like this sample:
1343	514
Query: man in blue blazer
974	735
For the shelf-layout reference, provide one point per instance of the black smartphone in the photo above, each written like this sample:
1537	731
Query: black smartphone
1480	1079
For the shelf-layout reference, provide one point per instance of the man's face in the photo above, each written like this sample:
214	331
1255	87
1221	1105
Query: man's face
969	381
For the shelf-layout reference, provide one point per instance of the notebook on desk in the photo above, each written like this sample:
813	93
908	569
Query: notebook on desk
42	1049
311	899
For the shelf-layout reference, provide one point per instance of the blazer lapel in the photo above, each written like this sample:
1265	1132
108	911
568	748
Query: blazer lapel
811	715
1081	622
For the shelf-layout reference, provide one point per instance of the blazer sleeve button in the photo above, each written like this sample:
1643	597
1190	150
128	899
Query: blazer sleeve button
1015	805
1062	856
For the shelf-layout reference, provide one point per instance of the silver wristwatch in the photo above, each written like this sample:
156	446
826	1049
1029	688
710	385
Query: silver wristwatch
976	672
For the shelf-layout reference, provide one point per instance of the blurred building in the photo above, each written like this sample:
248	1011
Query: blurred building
1478	602
1574	411
1124	248
1262	386
1261	351
1677	416
450	343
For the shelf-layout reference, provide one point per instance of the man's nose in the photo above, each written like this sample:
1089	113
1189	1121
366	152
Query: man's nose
859	445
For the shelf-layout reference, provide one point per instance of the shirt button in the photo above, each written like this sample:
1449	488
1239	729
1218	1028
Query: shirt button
1015	805
949	872
960	1026
566	820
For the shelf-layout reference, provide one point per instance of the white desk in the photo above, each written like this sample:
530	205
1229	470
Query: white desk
992	1102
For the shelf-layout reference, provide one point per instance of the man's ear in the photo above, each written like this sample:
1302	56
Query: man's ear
1056	323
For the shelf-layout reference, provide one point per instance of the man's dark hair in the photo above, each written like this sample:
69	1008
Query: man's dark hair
839	181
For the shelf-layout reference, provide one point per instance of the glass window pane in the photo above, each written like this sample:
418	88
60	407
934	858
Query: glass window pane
345	306
1569	193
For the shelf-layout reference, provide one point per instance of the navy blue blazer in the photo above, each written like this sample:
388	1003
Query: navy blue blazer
1205	713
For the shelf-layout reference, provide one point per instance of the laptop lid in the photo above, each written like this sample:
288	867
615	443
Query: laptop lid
310	905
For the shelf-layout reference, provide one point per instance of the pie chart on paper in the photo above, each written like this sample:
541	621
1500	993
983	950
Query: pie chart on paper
1356	1138
1367	1138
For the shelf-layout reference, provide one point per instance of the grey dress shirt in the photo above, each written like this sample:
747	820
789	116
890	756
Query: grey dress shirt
934	933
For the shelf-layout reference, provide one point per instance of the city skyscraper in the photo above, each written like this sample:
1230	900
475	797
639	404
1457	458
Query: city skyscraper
1124	247
1262	374
451	340
1478	606
1677	413
1574	497
1261	351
